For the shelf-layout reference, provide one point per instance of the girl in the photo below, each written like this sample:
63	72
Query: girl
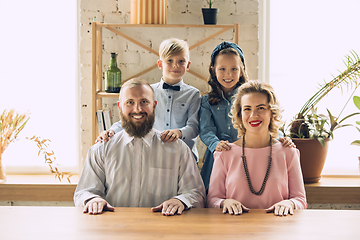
227	73
257	172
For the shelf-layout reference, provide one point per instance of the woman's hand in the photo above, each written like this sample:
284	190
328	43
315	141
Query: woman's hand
233	207
282	208
287	142
222	146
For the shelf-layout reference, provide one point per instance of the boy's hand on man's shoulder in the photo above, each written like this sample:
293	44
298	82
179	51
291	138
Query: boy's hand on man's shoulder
105	136
171	135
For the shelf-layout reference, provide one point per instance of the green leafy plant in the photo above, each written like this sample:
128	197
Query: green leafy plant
210	3
356	100
317	126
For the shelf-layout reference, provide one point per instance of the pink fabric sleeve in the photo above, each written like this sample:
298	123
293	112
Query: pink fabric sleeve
217	191
296	183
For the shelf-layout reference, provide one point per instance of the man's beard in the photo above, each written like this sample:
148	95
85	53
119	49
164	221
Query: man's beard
134	130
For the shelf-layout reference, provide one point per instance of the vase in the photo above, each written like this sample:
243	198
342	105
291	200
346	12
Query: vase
2	172
148	12
312	158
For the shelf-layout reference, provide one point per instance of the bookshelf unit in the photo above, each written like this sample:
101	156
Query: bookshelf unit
97	28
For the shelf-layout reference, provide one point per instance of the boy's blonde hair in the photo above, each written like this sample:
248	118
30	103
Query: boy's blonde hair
173	46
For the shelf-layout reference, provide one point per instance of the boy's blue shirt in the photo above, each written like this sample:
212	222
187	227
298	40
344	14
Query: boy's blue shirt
176	110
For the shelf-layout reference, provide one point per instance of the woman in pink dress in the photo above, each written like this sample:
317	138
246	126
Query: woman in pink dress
257	172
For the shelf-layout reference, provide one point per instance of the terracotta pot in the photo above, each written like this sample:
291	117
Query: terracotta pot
312	158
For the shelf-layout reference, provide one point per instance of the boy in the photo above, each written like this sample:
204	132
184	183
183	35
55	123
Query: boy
176	114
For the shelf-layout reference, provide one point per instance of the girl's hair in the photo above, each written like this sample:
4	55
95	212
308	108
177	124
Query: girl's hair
173	46
215	95
256	87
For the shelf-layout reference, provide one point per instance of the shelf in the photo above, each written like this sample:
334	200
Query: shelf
105	94
97	47
331	189
37	188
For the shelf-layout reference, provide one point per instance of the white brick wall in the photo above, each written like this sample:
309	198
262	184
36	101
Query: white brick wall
132	58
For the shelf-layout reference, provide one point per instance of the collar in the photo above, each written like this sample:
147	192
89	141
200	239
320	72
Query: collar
147	138
231	94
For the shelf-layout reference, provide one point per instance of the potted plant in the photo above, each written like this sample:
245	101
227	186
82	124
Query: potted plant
311	131
210	14
356	100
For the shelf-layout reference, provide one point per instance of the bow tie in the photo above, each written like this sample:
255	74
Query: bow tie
167	86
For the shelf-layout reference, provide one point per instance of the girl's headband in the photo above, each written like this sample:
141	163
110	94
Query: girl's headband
225	45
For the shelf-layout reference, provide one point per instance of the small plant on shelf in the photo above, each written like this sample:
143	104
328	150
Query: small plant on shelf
210	3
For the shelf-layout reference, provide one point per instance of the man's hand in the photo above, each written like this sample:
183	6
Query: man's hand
170	207
105	136
171	135
97	205
282	208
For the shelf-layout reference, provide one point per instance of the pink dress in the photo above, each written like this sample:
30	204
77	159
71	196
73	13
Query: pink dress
228	179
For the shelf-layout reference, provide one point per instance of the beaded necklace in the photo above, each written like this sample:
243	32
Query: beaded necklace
247	171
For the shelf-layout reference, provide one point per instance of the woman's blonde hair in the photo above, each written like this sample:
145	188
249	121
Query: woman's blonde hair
173	46
256	87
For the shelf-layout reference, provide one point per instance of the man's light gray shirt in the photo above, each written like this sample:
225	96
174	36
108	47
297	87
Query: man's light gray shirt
140	172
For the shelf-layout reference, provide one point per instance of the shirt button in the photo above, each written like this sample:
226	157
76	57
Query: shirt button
168	110
169	96
167	124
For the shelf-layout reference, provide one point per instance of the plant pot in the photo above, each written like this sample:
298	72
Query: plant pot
210	15
312	158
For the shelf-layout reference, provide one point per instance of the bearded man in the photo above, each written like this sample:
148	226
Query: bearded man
135	168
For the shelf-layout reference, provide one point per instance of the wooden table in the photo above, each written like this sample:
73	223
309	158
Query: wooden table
141	223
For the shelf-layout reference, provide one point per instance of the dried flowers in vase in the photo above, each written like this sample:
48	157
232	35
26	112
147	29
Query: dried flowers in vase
11	123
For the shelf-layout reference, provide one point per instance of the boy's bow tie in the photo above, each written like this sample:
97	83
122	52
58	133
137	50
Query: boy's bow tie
167	86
